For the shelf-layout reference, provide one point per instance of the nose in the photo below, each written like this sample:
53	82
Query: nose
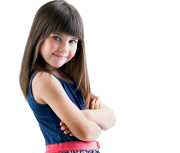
64	46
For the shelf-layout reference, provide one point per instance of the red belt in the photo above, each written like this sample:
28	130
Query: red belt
72	146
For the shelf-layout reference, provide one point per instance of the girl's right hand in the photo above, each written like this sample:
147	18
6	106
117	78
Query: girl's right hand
65	128
96	104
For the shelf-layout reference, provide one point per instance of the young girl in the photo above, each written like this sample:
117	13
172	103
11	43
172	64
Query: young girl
54	80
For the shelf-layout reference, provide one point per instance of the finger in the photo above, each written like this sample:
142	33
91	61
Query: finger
96	106
101	105
71	134
92	104
62	123
67	131
64	127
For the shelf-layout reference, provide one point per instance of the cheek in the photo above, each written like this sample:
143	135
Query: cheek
46	47
74	50
71	54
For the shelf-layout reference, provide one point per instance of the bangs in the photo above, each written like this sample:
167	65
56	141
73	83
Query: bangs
65	20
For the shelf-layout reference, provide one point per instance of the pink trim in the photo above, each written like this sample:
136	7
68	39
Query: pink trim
72	146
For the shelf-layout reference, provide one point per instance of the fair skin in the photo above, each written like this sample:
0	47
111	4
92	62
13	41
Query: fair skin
94	104
99	113
56	51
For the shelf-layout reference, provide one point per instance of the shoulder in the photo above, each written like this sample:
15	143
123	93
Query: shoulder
43	78
41	75
43	83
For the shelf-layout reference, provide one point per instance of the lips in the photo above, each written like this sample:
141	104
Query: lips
60	56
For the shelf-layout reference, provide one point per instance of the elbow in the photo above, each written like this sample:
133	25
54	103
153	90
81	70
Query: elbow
114	120
87	137
84	134
90	133
111	123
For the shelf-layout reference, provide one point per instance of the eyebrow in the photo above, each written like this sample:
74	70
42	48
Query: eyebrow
74	38
62	35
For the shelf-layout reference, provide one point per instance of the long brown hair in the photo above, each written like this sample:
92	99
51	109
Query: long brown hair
56	17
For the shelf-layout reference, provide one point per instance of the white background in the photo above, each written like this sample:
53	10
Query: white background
133	60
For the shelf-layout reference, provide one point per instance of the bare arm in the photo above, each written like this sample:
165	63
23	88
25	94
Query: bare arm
99	113
102	116
51	91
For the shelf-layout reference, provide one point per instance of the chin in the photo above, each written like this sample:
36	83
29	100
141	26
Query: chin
59	65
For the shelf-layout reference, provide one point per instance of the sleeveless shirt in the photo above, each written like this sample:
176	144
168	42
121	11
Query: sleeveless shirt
49	122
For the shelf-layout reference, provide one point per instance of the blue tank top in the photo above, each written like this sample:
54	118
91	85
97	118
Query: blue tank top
49	122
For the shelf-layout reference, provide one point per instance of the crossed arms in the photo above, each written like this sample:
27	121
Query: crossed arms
100	113
86	125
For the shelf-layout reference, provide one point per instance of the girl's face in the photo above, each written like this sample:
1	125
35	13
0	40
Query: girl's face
58	49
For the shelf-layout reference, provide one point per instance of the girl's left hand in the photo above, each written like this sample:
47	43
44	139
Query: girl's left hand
96	104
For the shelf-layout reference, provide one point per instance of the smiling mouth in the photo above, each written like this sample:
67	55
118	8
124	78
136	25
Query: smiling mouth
60	56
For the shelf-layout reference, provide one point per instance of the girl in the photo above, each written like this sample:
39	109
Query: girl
54	80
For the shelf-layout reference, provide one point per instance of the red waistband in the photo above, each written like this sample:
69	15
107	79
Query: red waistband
72	146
